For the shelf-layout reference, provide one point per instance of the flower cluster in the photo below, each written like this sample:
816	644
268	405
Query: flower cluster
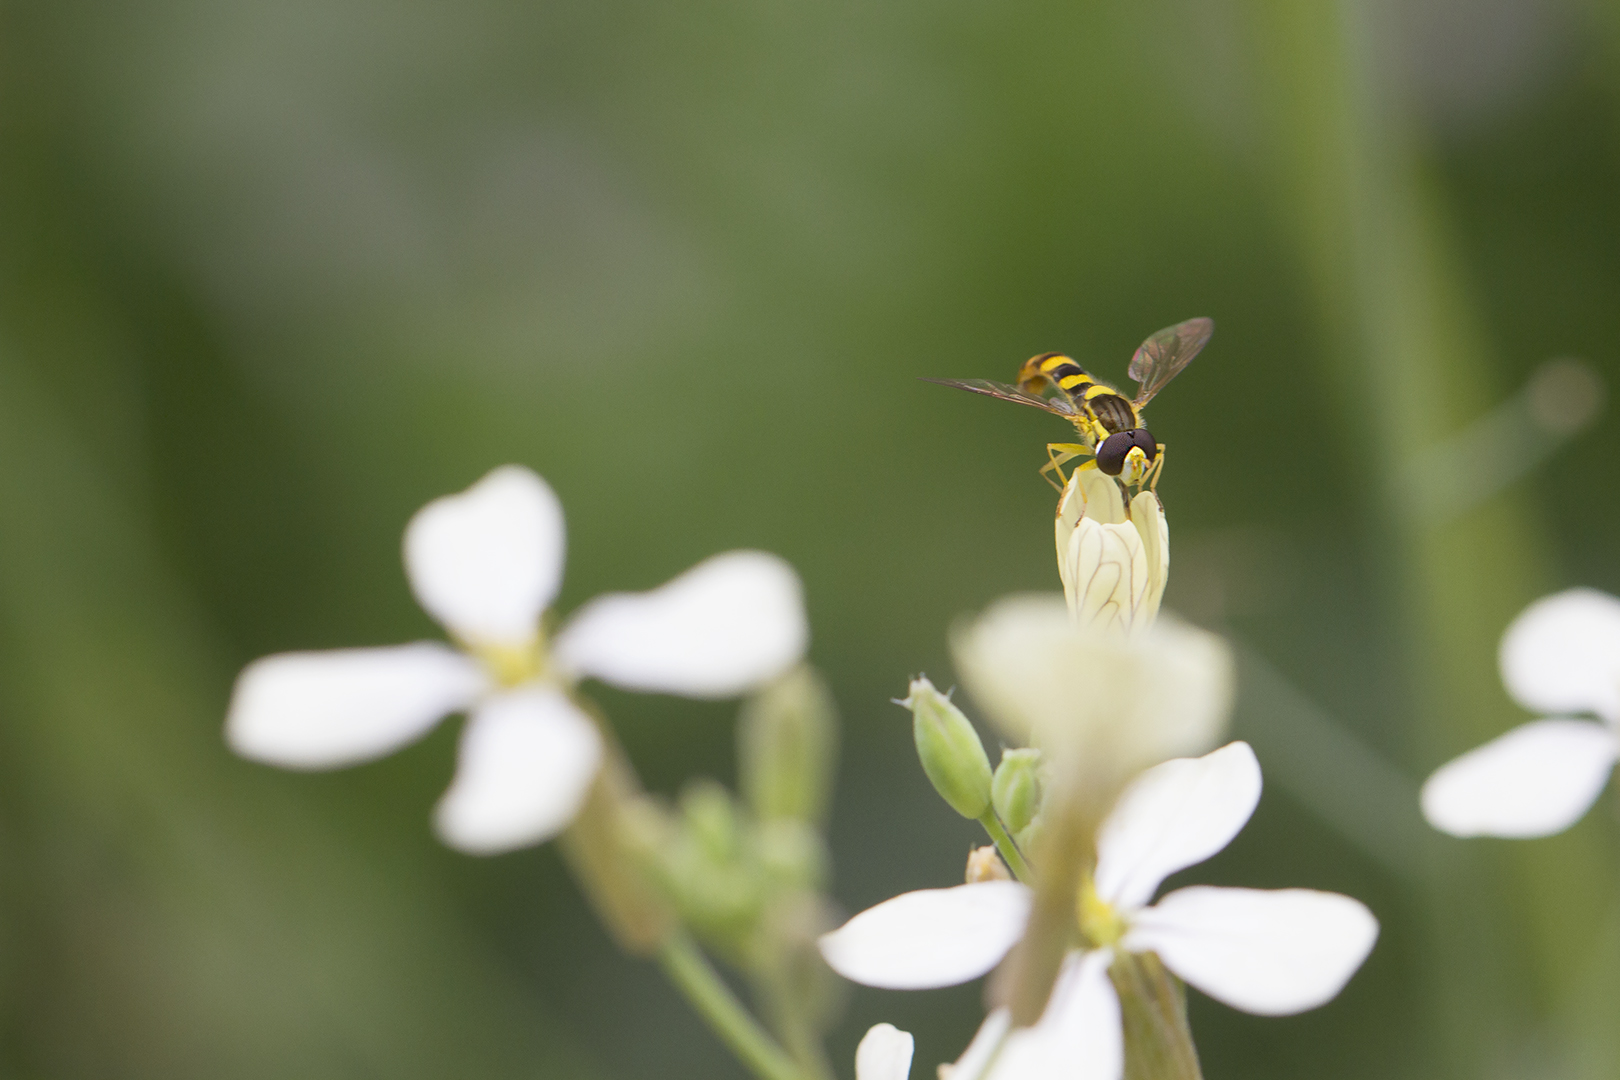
1270	952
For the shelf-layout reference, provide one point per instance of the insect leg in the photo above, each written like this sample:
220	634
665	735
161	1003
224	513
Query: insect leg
1158	467
1057	454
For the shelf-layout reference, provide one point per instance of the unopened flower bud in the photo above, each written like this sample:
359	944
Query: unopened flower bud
711	819
1114	559
1016	789
787	747
950	750
792	854
984	864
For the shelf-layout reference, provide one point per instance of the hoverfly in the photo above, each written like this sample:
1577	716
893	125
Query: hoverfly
1109	423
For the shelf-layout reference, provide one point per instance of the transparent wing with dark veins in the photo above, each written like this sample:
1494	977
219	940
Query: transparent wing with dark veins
1163	355
1061	406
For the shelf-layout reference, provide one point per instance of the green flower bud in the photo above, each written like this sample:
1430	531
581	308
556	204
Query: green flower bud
950	750
791	854
1016	790
711	819
787	747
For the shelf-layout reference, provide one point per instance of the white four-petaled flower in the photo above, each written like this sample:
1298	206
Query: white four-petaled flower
1270	952
487	563
1560	656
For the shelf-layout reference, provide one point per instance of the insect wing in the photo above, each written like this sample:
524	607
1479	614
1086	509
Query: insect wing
1057	405
1163	355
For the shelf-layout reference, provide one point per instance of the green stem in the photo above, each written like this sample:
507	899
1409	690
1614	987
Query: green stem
1004	844
693	975
797	1034
1153	1014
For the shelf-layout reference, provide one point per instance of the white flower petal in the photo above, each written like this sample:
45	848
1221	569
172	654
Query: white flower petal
986	1042
527	758
1173	816
488	561
1121	703
1536	780
1148	515
1105	575
1270	952
722	628
929	938
1078	1037
884	1054
319	710
1562	654
1104	502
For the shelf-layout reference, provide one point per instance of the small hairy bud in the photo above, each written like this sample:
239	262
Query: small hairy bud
950	750
1016	789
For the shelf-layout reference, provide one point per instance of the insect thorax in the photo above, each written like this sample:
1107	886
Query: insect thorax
1111	409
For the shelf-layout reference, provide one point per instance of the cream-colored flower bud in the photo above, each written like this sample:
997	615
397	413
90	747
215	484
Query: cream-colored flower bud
984	864
1114	560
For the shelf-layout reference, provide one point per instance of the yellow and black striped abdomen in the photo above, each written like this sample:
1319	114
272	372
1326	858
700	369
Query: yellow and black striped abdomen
1057	370
1112	409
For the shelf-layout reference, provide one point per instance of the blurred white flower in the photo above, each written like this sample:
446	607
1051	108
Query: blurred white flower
1114	562
1105	702
1270	952
1561	655
884	1054
486	563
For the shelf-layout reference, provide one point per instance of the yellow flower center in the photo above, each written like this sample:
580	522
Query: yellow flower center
512	665
1100	924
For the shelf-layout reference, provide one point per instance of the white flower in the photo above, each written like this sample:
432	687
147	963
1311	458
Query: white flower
1270	952
1107	702
1114	563
884	1054
486	564
1561	655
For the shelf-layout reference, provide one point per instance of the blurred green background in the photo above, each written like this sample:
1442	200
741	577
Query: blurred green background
275	274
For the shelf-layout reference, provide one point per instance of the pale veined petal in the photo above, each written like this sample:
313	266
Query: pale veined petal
526	760
722	628
1104	502
488	561
1536	780
932	937
1562	654
1107	576
1078	1037
1270	952
1147	513
319	710
1173	816
884	1054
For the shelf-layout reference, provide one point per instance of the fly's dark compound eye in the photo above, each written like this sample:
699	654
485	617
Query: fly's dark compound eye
1111	452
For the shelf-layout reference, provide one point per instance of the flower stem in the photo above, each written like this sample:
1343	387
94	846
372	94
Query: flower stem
1004	844
1158	1043
695	977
